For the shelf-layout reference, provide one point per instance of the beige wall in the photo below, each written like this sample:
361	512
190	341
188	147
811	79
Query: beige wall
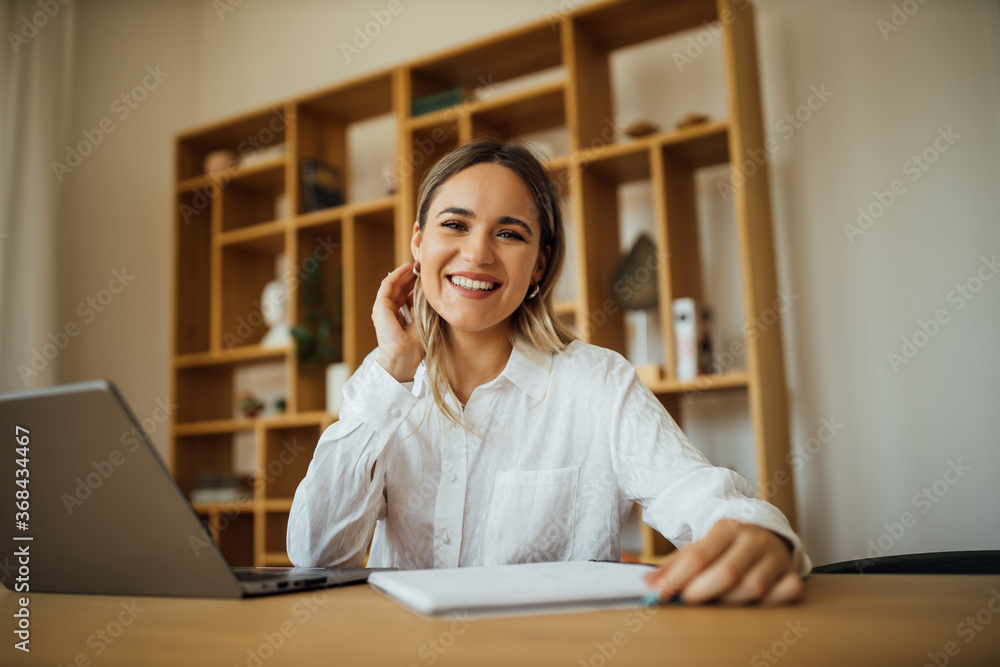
897	430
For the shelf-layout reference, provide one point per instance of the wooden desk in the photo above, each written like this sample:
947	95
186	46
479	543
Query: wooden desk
846	620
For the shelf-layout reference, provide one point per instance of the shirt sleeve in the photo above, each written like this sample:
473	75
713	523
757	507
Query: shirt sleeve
681	493
339	500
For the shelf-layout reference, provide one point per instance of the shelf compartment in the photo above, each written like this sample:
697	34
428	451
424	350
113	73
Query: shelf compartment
192	274
614	25
369	255
244	135
275	529
247	267
206	394
514	53
207	452
232	527
266	237
252	198
284	459
320	276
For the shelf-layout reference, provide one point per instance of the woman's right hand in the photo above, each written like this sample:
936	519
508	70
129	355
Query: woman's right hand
399	348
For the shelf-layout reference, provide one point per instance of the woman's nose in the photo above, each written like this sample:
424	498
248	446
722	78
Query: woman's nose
477	249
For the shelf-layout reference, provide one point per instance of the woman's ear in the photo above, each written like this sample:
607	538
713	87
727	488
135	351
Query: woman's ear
543	261
416	240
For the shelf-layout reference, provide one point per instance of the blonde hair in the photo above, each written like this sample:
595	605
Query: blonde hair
535	322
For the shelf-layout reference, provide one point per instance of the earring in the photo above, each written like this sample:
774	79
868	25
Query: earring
534	291
415	268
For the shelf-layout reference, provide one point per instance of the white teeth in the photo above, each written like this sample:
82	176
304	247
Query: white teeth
472	284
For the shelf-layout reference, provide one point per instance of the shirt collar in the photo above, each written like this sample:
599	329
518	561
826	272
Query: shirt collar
529	369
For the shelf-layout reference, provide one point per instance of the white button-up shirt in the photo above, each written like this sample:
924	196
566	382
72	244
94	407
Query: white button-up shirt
559	447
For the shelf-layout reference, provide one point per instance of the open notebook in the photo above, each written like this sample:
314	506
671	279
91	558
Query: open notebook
524	588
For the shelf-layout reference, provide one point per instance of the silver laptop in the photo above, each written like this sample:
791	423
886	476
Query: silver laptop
91	510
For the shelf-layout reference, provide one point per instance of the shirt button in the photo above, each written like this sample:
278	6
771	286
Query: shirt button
453	477
446	539
395	413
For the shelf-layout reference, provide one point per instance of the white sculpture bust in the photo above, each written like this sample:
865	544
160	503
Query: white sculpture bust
274	308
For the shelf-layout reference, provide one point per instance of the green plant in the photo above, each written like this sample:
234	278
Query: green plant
317	336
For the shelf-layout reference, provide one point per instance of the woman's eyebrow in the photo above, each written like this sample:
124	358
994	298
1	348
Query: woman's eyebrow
503	220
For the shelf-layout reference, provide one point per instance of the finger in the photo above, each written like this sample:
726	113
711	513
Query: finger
727	572
758	581
691	559
396	287
789	588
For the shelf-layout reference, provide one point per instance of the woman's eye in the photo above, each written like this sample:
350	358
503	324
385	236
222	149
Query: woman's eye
510	234
453	224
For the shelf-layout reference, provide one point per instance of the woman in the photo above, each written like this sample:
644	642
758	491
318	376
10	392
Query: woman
481	433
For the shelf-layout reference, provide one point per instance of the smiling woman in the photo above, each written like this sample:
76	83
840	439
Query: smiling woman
482	433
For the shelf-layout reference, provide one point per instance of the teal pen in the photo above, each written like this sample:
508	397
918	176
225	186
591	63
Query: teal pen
652	599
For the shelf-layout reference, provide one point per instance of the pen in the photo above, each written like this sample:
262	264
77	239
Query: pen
652	599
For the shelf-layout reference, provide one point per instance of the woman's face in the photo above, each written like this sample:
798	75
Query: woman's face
479	249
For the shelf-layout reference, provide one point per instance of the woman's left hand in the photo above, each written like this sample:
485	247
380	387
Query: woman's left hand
735	563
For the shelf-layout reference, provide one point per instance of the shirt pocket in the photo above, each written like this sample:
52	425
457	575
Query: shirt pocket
532	516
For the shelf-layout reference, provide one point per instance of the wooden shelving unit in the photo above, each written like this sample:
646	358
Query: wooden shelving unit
553	77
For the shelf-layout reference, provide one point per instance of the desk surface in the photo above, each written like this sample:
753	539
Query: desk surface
845	620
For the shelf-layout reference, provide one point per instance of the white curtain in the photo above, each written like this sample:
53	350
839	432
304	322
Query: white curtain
35	64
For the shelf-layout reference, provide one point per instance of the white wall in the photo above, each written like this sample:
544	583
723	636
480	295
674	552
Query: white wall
898	429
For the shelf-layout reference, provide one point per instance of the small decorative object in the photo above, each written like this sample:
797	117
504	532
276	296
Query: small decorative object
640	128
250	405
691	119
336	378
280	406
273	301
435	101
391	182
322	185
222	487
686	338
220	160
635	288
